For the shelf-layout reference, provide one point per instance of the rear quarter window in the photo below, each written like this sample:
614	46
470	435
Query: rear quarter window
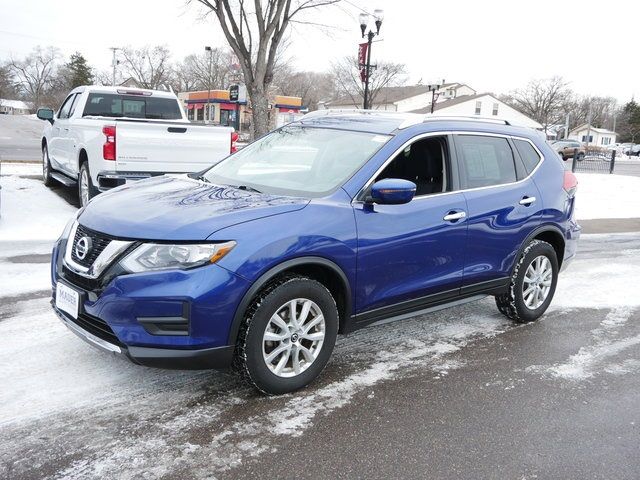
529	155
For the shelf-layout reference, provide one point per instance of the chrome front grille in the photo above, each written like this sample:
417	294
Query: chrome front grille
97	242
98	251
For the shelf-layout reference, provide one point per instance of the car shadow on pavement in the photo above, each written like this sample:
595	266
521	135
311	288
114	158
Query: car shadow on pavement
68	194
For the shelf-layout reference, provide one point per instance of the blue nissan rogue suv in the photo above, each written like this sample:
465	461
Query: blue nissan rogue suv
333	222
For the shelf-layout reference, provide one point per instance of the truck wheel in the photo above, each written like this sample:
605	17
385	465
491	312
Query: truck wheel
533	284
47	179
86	190
287	335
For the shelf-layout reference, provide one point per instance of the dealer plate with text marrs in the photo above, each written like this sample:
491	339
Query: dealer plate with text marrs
67	299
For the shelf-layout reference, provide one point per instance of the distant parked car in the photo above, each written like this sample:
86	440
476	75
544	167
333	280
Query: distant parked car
634	151
566	149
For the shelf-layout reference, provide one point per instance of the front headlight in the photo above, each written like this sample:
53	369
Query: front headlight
158	256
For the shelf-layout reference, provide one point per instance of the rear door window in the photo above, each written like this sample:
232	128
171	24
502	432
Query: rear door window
529	155
484	161
131	106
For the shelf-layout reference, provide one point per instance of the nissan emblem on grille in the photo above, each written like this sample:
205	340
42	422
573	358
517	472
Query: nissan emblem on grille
83	247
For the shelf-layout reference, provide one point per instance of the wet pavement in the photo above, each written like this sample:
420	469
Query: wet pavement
460	393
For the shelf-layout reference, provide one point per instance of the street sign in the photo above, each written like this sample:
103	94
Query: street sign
234	93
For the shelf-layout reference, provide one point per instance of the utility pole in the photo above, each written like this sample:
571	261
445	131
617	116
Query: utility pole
588	126
114	64
566	127
208	109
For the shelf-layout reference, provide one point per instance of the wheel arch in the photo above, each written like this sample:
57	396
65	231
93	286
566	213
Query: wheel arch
317	268
547	233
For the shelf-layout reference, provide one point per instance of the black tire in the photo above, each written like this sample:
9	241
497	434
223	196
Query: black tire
512	303
47	179
580	157
248	358
91	190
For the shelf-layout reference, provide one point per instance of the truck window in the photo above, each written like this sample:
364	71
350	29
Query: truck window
132	106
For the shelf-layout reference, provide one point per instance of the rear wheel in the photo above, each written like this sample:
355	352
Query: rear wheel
287	335
533	284
47	179
580	157
86	190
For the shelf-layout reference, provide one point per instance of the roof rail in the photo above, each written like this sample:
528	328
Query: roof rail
408	119
462	118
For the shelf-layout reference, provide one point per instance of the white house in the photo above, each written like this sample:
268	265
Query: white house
483	105
14	107
596	136
403	99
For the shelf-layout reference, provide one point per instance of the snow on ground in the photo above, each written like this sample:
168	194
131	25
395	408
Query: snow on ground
21	168
607	196
31	211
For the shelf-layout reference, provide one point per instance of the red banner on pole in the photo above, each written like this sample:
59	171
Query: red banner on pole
362	60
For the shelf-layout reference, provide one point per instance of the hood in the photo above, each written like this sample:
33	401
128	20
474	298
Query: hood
179	208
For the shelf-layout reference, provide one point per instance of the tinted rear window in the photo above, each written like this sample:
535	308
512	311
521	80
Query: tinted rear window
132	106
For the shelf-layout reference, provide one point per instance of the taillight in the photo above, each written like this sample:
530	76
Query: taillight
570	183
234	139
109	147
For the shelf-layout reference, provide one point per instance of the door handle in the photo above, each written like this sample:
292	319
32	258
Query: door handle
527	200
454	216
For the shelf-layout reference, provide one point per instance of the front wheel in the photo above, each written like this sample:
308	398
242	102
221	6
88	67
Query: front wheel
47	179
86	190
287	335
533	284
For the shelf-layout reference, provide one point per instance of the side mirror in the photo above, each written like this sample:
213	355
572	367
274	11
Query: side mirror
392	191
45	114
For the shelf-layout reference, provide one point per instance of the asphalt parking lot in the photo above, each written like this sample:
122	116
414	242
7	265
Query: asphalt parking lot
459	393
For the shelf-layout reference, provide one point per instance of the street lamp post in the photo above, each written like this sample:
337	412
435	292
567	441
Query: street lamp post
378	15
208	110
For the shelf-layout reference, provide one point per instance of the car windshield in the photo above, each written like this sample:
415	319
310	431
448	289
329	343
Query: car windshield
297	160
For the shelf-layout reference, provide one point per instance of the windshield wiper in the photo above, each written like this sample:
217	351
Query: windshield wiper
202	178
245	188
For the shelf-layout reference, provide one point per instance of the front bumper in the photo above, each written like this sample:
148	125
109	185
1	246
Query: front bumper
200	359
170	319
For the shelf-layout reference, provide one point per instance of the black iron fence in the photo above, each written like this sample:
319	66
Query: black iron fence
595	159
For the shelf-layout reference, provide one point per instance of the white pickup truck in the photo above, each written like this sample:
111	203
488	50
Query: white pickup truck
102	137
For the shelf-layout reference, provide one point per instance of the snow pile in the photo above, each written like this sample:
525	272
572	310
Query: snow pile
607	196
30	211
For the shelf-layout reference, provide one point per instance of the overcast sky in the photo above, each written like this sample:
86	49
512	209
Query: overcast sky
492	45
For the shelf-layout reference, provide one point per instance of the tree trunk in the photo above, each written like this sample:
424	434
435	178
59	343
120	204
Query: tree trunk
260	111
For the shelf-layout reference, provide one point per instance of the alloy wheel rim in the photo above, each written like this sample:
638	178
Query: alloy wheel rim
293	337
84	188
537	282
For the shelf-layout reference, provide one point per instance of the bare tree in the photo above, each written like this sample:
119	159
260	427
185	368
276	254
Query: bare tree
312	87
546	101
254	31
149	66
198	71
599	109
346	74
35	73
